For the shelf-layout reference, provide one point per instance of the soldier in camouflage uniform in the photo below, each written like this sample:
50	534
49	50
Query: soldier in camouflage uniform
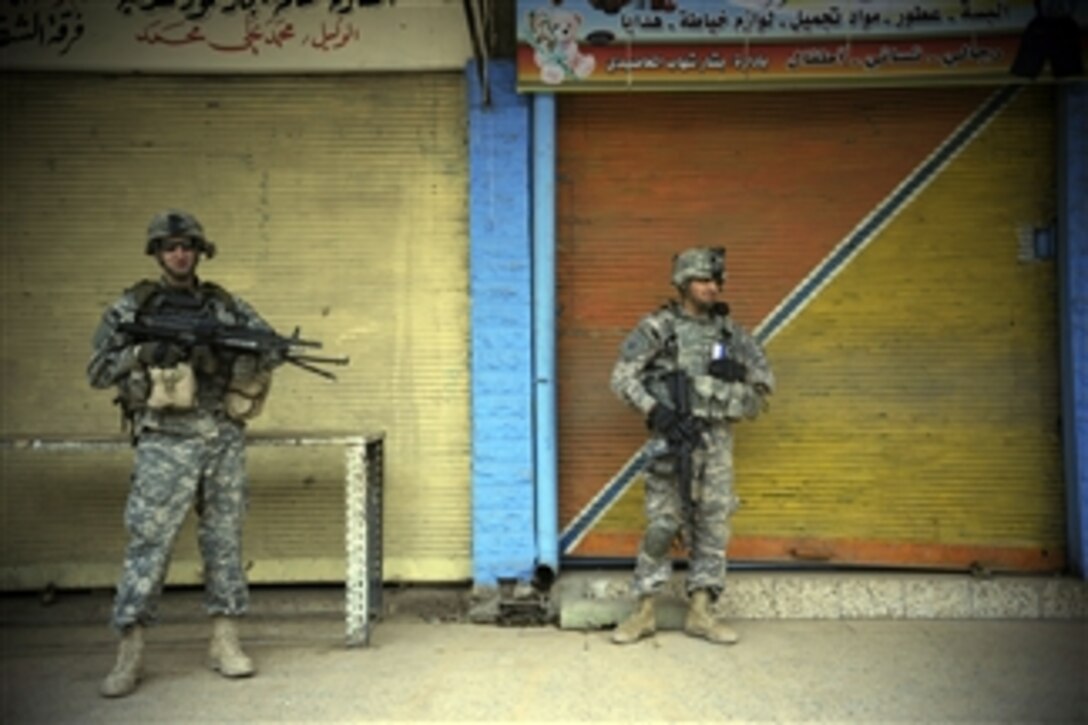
729	379
189	446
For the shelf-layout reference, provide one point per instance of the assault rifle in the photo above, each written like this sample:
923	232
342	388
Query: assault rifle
688	437
188	331
683	444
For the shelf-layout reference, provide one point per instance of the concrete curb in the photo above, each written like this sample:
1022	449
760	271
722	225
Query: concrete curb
600	599
592	600
186	605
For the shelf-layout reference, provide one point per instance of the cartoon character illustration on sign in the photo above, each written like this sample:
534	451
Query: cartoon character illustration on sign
554	37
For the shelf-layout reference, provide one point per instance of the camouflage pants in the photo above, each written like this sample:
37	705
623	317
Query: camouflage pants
714	503
172	473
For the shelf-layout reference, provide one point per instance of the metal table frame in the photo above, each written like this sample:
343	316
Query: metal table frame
363	479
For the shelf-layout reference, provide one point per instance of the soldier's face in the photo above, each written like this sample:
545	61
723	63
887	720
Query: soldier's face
178	257
702	294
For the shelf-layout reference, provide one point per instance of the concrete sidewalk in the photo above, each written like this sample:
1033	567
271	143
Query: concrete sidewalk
426	663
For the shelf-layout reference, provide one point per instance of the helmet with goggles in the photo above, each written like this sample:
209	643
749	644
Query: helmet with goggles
175	224
698	263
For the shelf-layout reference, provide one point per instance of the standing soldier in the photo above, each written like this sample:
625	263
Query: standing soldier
187	409
725	377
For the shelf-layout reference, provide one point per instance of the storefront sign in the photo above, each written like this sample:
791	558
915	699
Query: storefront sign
598	45
233	35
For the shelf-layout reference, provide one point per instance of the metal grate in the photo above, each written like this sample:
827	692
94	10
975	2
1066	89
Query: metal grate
363	532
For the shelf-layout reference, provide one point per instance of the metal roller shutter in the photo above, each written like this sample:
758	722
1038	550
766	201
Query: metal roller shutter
338	204
875	241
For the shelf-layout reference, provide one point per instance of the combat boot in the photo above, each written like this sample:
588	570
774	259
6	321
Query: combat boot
641	623
701	622
225	654
126	672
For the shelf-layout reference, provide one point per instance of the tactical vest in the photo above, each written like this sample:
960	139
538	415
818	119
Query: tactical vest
689	345
212	367
153	296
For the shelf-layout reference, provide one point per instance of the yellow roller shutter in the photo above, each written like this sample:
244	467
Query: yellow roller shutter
338	204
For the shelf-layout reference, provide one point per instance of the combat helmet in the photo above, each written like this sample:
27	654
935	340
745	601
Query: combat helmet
698	263
176	223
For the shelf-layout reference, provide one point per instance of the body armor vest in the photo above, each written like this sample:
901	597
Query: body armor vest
690	344
212	368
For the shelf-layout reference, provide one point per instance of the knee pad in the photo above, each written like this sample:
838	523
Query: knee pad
658	539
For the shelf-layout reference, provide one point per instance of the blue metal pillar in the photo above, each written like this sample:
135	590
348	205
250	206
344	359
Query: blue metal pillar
500	290
1073	310
544	304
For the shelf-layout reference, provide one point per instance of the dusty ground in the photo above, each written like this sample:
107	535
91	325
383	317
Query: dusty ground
426	665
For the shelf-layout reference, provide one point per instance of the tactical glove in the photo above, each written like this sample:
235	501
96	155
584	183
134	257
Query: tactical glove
663	420
204	360
160	354
728	370
244	367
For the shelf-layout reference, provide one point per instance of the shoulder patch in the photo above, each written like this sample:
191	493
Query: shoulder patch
636	344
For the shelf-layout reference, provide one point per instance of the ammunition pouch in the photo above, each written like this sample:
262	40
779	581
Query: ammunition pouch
718	400
248	389
172	388
132	392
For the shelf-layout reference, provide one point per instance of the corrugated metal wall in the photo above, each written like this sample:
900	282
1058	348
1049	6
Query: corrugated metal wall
338	204
916	422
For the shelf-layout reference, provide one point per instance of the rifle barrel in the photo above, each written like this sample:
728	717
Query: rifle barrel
311	368
341	360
